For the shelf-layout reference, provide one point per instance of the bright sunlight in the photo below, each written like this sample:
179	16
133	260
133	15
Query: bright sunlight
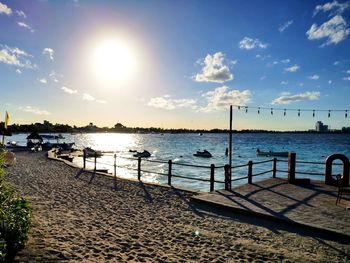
113	60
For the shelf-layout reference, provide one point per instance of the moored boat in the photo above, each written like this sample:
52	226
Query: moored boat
271	153
204	154
142	154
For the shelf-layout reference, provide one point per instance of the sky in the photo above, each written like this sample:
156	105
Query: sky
176	64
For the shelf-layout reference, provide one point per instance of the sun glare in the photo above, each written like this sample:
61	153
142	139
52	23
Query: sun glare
113	60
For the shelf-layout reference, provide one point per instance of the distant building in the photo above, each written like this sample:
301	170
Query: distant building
320	127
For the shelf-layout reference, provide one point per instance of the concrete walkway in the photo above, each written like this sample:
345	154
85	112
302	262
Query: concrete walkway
311	205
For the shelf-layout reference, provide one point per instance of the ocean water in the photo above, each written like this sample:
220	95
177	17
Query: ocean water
180	148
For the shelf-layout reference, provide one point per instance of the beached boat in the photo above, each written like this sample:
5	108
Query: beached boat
204	154
142	154
92	153
271	153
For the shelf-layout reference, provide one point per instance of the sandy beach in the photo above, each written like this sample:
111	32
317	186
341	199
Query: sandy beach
77	221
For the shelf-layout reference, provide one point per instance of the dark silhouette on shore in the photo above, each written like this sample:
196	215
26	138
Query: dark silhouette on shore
47	127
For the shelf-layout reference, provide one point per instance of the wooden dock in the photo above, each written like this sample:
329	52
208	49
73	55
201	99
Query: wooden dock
311	205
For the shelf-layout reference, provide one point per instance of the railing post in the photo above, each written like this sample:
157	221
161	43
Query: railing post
115	171
95	162
212	171
274	167
139	168
84	159
250	172
227	177
291	167
170	162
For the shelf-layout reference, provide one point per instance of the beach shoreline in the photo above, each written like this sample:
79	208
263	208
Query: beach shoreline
138	222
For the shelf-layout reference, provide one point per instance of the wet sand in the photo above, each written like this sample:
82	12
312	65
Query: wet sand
77	221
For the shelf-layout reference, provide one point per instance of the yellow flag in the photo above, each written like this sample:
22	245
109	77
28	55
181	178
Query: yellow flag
7	118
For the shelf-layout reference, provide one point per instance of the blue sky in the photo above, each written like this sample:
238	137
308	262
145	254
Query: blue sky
175	63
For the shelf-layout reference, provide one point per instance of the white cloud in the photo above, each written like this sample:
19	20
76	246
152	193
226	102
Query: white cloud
249	43
234	62
293	68
332	6
284	82
8	58
346	78
301	84
221	98
88	97
167	103
21	14
43	80
285	25
15	57
69	91
214	69
22	24
34	110
329	82
262	57
18	71
287	98
285	61
4	9
48	52
348	71
275	62
55	76
334	30
314	77
336	63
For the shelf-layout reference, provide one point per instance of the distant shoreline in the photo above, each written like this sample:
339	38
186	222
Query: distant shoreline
47	127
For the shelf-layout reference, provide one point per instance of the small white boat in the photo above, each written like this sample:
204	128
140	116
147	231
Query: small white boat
144	154
204	154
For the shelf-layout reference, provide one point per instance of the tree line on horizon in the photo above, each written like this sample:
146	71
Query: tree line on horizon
47	127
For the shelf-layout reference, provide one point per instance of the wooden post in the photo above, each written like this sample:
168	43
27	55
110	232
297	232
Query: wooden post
170	162
212	171
250	172
230	146
291	167
227	177
274	167
84	159
115	171
95	162
139	168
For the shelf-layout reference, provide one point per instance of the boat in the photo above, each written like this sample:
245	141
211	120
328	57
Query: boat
271	153
204	154
142	154
92	153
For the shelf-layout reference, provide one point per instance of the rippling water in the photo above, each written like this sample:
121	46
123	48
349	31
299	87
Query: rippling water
180	148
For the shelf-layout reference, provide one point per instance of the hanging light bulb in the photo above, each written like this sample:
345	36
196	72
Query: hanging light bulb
346	113
284	113
271	111
259	110
299	113
329	113
313	113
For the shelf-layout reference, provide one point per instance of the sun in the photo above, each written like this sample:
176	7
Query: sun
113	59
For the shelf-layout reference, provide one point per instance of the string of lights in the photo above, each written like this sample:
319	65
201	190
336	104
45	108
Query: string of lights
285	110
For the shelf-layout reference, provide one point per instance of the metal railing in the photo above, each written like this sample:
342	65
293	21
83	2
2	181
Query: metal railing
170	169
211	170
